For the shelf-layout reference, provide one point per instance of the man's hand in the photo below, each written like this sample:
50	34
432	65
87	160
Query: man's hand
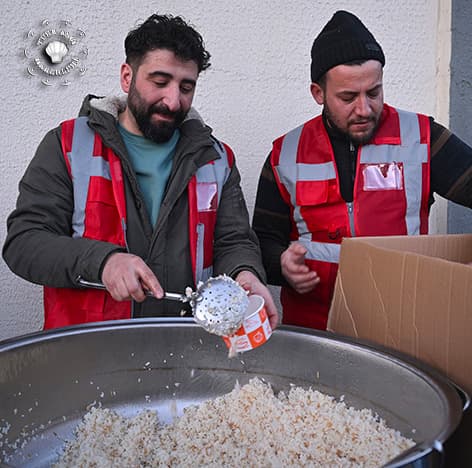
126	277
295	271
251	283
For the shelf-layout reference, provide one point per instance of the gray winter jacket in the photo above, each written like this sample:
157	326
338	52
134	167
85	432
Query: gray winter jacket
39	246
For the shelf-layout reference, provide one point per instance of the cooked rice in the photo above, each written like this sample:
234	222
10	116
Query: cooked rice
249	426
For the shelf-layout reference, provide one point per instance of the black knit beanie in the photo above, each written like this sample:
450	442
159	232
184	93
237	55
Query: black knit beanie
342	40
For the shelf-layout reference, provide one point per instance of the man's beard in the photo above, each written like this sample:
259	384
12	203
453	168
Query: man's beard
157	132
356	139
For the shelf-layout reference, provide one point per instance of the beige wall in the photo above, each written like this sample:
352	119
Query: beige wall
257	88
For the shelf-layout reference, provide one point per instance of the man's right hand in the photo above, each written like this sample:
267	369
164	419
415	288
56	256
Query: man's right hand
295	271
126	277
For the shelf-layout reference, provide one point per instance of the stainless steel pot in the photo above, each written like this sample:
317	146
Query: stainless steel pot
49	380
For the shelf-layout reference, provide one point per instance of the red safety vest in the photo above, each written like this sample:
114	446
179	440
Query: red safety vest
100	213
391	194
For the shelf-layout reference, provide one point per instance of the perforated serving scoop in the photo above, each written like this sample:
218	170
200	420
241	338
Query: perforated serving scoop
218	304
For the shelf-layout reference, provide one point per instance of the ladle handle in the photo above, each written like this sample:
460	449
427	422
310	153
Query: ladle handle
172	296
167	295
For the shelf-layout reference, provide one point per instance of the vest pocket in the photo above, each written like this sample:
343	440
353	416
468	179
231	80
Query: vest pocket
311	192
102	220
207	204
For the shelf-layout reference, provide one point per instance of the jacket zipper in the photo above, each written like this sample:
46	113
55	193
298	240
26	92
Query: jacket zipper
350	205
123	227
350	213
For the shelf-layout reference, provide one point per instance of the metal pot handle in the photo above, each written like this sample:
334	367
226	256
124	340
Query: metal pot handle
427	454
463	395
422	455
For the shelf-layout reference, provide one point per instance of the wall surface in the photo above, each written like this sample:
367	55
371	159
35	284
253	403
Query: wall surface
256	89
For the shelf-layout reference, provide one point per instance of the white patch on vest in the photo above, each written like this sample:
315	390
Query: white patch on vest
388	176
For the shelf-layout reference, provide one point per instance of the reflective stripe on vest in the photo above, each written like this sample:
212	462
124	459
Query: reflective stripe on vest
289	171
83	166
210	180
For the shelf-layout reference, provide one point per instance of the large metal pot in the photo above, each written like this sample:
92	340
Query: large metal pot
48	381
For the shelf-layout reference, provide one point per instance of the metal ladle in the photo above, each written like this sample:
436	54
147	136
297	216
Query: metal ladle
218	304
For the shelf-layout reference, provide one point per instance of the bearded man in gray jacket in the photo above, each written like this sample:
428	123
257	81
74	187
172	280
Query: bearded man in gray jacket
136	193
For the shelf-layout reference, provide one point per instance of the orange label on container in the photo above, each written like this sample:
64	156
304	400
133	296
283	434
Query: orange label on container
254	331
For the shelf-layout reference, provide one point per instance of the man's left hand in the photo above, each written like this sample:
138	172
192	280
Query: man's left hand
251	283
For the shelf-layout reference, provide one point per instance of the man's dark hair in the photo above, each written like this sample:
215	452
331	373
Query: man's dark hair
170	33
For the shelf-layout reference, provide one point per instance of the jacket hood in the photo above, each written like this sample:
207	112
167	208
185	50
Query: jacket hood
114	105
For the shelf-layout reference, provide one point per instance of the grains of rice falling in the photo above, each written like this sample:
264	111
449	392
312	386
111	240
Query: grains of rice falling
250	426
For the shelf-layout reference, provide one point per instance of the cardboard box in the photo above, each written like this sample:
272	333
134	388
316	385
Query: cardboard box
412	294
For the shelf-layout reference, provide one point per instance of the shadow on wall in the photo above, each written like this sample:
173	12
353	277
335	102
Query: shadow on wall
459	219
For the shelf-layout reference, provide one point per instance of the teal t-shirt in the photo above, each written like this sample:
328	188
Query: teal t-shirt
152	163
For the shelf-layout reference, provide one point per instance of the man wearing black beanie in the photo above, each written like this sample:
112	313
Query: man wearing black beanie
362	168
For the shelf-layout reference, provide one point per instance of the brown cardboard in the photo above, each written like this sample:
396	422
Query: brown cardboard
412	294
